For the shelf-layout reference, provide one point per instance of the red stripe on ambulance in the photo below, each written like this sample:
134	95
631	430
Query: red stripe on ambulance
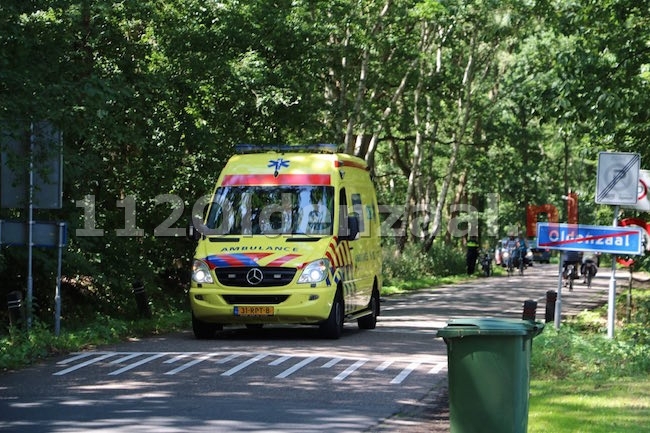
281	179
282	260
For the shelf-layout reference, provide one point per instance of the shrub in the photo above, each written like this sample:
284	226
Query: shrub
413	264
581	350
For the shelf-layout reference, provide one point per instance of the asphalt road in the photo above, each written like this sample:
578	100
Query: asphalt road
276	379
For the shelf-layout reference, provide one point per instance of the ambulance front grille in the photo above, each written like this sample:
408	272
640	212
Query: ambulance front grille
240	277
255	299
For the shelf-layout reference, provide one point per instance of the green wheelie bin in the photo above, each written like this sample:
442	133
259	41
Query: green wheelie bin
489	373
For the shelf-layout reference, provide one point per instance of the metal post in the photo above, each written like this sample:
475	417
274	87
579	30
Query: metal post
530	310
57	293
611	307
551	297
30	236
558	301
629	295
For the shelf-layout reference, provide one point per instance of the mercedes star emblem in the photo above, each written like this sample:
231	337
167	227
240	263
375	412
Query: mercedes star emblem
254	276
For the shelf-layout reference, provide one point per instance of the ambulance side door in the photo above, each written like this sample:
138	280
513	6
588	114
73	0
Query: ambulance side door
361	251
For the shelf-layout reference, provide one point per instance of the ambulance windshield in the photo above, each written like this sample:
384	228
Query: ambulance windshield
272	210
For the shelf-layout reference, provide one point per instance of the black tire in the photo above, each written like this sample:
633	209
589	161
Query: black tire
590	273
203	330
370	321
332	327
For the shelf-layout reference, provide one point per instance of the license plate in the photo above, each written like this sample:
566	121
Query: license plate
254	311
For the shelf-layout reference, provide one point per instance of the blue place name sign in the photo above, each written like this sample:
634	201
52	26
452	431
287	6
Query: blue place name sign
604	239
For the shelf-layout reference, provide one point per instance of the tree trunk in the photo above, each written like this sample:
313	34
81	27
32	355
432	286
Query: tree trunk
464	110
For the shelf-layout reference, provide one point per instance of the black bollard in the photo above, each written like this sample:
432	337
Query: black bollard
530	310
141	299
16	310
551	297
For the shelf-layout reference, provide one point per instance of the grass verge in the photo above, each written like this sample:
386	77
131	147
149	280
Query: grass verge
20	348
583	382
590	406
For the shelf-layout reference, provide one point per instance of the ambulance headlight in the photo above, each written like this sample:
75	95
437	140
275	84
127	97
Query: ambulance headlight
315	272
201	272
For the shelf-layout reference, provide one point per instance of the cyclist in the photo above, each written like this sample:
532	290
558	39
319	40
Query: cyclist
571	258
589	258
511	245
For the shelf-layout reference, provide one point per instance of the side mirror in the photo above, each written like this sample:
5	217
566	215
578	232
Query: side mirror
191	232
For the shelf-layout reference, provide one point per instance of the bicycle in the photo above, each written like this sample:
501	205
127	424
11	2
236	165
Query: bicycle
520	257
486	264
510	265
570	273
589	272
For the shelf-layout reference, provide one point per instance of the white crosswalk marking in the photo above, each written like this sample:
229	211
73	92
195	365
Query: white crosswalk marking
437	368
76	358
84	364
332	362
186	360
179	357
280	360
191	363
136	364
126	358
244	364
384	365
351	369
405	373
228	358
296	367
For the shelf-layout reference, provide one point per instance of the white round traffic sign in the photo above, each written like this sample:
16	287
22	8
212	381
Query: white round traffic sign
643	190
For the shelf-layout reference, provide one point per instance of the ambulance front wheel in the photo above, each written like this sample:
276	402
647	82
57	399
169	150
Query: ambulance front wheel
332	327
370	321
203	330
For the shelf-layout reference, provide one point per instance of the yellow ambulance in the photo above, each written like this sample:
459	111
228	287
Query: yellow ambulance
291	236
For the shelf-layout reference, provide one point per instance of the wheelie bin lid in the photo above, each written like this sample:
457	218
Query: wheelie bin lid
458	328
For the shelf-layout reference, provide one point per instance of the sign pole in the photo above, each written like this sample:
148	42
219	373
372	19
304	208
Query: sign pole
611	307
57	293
558	302
30	223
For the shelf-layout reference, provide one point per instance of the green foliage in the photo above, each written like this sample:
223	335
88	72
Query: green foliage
151	98
414	265
580	349
603	383
20	348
